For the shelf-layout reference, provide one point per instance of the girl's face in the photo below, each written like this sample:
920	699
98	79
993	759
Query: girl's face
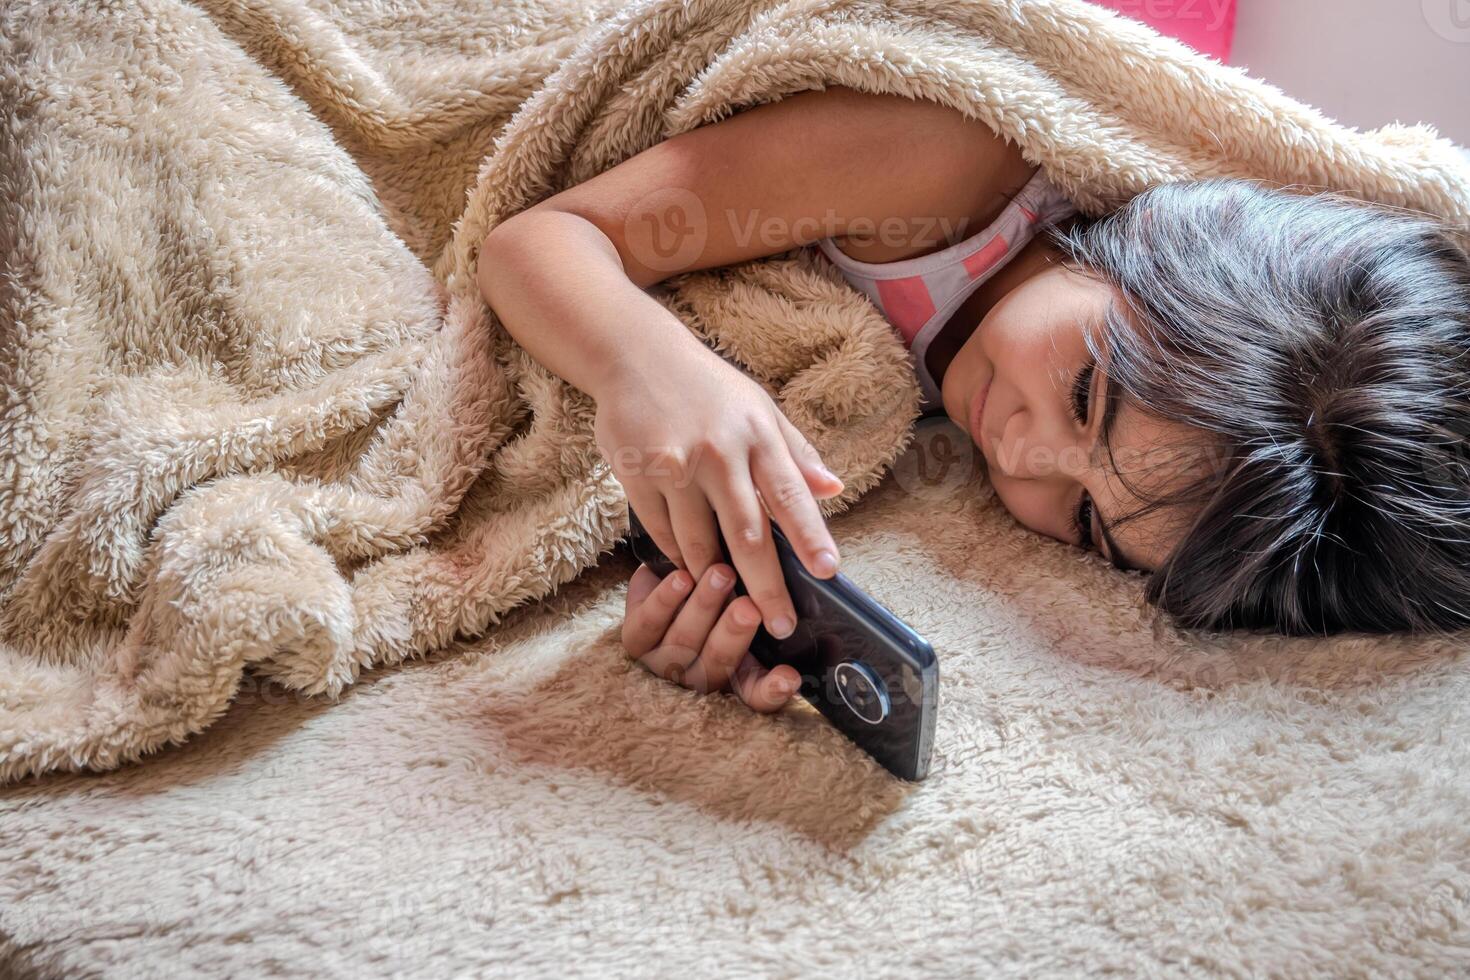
1028	392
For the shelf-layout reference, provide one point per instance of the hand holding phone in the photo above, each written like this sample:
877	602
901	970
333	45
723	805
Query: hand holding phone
702	452
697	634
865	669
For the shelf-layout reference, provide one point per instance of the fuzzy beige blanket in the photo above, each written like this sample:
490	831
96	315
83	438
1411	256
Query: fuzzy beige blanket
256	415
260	436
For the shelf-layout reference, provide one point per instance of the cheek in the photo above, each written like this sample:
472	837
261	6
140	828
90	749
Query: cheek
1031	351
1028	502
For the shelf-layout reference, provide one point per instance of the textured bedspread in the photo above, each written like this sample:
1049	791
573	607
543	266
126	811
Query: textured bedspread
256	420
260	439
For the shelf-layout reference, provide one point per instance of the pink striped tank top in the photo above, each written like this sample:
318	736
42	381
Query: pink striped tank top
919	295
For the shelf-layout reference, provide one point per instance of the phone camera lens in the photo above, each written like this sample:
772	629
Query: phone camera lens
862	690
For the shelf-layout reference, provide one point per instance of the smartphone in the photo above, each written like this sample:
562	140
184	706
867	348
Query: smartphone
866	670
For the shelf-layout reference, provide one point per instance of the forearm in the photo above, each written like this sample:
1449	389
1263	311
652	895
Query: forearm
557	284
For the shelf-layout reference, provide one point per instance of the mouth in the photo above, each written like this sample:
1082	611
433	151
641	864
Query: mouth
977	411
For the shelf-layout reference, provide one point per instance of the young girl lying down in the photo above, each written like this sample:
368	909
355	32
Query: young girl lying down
1259	398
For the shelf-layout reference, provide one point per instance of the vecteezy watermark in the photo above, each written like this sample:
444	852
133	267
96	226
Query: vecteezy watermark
1214	12
1443	470
1161	463
940	461
668	229
666	461
1450	19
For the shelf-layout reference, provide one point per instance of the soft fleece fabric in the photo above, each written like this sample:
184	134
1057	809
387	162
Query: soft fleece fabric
256	414
260	436
1103	802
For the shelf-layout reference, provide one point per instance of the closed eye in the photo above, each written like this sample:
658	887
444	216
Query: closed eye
1081	404
1082	392
1082	520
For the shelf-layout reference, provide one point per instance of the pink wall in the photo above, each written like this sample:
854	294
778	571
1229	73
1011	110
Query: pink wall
1362	62
1206	25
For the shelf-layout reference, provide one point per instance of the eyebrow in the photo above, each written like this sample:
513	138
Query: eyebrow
1110	413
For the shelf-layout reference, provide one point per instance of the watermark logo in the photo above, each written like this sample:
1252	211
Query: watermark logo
1450	19
666	462
1213	13
667	229
939	462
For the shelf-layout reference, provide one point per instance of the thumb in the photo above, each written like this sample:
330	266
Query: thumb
640	586
823	482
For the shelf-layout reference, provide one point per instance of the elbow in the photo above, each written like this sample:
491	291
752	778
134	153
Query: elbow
502	243
542	230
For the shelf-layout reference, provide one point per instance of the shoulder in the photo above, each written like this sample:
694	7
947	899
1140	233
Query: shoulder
944	176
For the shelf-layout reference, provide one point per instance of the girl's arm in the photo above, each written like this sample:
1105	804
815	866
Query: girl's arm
566	276
559	286
692	439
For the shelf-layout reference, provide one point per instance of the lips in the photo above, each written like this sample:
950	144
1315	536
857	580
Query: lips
977	411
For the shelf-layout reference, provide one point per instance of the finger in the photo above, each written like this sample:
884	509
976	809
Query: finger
728	642
790	500
643	581
645	622
747	532
672	656
764	690
695	527
653	514
823	482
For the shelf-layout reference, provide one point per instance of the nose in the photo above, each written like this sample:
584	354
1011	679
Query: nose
1028	451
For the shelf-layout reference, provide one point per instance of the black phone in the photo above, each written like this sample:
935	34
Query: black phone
868	671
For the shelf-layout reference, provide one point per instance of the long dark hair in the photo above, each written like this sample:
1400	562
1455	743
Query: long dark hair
1322	345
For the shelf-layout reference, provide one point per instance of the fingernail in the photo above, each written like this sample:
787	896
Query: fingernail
719	578
825	564
831	475
790	688
680	582
782	627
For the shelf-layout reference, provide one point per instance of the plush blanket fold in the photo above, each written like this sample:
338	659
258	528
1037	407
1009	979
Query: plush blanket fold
253	412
